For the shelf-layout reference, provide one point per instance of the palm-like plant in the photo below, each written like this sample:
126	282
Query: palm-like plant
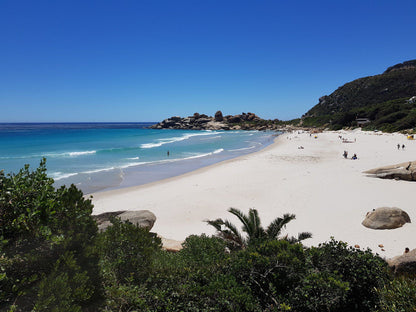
252	226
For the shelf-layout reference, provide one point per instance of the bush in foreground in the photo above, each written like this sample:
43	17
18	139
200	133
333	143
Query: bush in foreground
42	228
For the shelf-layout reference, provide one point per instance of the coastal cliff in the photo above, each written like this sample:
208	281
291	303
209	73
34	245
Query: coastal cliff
245	121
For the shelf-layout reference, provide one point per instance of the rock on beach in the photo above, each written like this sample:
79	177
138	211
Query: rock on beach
405	263
386	218
143	218
403	171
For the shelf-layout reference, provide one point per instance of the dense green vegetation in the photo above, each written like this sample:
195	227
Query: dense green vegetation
391	85
52	258
390	116
381	98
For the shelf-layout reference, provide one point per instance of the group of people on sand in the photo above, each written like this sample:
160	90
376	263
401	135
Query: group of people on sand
345	140
398	146
345	154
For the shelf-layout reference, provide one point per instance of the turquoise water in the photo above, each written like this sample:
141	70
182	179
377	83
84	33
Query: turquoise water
101	156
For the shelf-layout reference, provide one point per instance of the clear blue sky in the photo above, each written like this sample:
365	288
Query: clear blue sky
147	60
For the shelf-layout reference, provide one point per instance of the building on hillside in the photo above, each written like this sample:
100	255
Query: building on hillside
362	121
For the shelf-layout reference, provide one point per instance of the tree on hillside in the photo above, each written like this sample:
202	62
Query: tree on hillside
253	228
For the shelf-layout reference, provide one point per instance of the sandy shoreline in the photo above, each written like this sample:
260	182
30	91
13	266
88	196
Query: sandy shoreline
329	194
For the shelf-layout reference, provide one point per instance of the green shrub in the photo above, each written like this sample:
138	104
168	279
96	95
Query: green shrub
363	271
127	250
65	288
319	291
39	225
126	297
398	295
198	278
271	270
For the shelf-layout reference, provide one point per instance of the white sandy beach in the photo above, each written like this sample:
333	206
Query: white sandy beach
329	194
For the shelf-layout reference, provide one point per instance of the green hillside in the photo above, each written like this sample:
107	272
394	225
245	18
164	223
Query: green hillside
384	99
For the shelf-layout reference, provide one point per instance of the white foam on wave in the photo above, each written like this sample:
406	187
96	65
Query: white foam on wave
134	164
161	142
211	138
217	151
98	170
52	155
74	154
67	154
242	149
134	158
59	175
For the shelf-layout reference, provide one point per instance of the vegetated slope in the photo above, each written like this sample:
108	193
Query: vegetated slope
384	99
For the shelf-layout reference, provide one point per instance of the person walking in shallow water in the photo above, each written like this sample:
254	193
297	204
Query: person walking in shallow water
168	153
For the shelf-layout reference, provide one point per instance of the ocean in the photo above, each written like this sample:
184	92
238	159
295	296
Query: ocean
104	156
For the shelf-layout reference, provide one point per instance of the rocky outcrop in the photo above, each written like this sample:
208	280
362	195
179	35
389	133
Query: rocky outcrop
386	218
218	116
144	218
404	264
245	121
405	65
404	171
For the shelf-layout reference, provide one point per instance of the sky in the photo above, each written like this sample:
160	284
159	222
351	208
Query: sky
147	60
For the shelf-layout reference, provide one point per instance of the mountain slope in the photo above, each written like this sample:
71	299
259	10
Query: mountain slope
384	99
398	81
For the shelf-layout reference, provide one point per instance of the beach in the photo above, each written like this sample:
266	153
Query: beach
329	195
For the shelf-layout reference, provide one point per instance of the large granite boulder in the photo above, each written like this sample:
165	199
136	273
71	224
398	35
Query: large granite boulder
235	119
214	125
144	218
218	116
251	116
405	263
403	171
386	218
203	120
175	118
196	115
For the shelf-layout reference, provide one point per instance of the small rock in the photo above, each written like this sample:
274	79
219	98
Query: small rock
357	246
381	245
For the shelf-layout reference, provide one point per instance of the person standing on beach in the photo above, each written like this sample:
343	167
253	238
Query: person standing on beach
398	146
